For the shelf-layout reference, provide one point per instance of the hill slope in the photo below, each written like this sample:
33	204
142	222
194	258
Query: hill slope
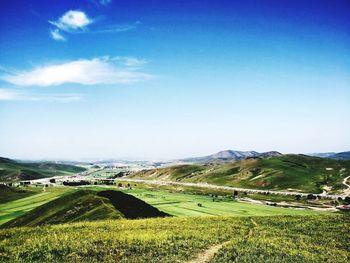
87	205
14	171
297	172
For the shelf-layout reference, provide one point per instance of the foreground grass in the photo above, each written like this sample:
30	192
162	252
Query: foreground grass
251	239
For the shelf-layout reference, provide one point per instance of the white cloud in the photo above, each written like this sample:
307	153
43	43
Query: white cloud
72	20
15	95
56	35
85	72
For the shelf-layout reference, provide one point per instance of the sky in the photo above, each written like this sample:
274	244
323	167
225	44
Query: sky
171	79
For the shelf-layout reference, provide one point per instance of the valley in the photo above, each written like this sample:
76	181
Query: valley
230	210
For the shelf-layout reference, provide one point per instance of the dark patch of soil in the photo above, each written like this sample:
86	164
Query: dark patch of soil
130	206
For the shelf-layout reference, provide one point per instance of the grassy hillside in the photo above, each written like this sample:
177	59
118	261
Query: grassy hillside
245	239
8	194
87	205
14	171
287	172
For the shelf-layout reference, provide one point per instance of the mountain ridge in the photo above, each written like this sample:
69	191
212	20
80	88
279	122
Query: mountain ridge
231	155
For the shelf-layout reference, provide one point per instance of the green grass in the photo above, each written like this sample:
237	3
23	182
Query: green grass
8	194
173	203
286	172
13	171
182	204
81	205
13	209
258	239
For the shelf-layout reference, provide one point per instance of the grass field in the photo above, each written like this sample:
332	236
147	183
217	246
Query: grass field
176	204
182	204
8	194
287	172
13	209
244	239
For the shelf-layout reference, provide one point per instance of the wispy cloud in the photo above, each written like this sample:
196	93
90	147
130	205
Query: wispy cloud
72	20
15	95
56	35
86	72
130	61
117	28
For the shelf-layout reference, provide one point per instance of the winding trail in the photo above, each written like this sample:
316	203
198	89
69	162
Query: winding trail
208	254
347	191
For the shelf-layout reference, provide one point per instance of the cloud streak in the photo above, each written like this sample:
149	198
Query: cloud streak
56	35
15	95
84	72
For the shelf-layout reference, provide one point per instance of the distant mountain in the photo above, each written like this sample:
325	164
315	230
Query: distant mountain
6	160
341	156
332	155
230	155
11	170
322	155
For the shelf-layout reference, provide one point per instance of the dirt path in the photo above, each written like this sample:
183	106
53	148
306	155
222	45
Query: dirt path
347	191
208	254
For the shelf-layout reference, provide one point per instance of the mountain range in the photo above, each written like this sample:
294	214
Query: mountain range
333	155
230	155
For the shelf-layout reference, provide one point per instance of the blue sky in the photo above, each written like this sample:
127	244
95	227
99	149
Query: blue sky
169	79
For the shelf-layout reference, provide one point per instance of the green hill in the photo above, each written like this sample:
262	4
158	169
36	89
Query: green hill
87	205
286	172
15	171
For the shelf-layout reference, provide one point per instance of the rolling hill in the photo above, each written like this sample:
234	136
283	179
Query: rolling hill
229	155
286	172
11	170
87	205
